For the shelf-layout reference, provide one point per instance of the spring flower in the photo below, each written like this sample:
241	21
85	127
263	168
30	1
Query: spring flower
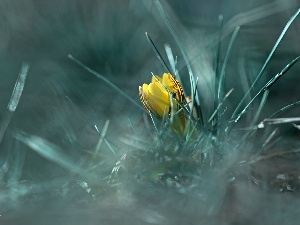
163	97
156	98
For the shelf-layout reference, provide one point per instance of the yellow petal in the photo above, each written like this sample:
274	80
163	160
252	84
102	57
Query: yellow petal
166	79
158	98
173	86
158	109
146	88
159	93
153	80
144	97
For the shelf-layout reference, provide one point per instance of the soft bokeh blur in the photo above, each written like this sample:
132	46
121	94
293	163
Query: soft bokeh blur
61	102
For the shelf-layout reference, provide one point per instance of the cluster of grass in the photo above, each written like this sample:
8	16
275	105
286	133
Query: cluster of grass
222	142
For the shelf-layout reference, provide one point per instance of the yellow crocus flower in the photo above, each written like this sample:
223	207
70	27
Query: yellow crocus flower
156	98
159	96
